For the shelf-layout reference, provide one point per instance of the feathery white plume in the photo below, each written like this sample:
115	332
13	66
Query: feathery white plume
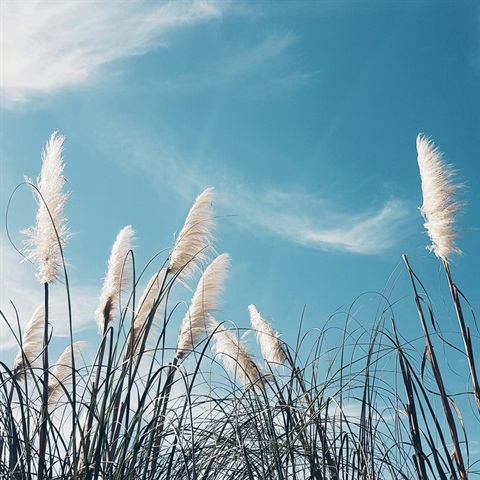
267	337
203	304
147	301
195	238
62	373
42	245
118	276
235	357
32	341
439	204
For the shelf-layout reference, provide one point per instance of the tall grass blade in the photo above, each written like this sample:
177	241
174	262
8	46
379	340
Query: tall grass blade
439	380
466	336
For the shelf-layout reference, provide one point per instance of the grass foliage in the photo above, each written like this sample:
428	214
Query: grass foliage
350	400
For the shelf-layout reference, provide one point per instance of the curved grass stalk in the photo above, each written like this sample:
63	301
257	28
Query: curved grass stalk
465	332
439	380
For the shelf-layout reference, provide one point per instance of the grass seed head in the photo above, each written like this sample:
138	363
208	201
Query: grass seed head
268	339
439	198
204	302
62	372
44	241
118	277
236	358
32	341
146	304
195	239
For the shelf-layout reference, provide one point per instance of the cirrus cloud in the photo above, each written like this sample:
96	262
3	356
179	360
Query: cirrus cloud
48	46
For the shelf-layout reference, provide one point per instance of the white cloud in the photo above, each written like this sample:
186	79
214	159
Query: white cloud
294	80
297	216
368	233
316	223
47	46
272	46
266	60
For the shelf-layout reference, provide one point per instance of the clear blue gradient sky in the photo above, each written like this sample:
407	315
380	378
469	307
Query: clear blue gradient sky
302	115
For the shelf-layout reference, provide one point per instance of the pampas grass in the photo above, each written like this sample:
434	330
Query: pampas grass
204	302
149	298
44	246
31	347
117	278
354	399
195	239
62	373
440	202
269	340
46	239
236	358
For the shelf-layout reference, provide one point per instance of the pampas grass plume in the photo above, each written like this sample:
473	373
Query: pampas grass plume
150	295
116	278
235	357
439	203
203	304
62	372
46	239
268	339
195	238
32	341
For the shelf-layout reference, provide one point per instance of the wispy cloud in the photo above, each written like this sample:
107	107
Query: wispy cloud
316	222
48	46
370	232
294	80
249	60
310	220
267	60
272	56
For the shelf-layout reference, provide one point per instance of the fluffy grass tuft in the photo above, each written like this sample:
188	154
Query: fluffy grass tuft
50	234
353	399
440	202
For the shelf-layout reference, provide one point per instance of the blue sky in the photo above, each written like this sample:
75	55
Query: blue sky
303	117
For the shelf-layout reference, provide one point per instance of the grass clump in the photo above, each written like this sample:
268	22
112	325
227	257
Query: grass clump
372	406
